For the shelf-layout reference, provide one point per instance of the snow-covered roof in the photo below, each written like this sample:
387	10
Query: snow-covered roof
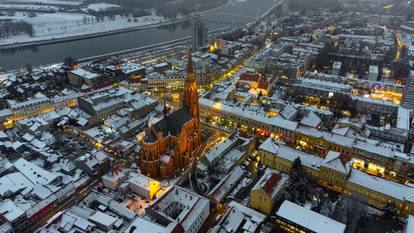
143	225
386	187
403	118
239	217
289	112
373	69
84	73
410	225
278	149
227	184
334	161
239	112
34	173
102	218
13	182
193	206
337	65
220	149
141	181
309	219
10	211
311	119
271	182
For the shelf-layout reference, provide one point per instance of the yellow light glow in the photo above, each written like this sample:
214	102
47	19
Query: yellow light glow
217	106
154	187
8	124
98	145
303	143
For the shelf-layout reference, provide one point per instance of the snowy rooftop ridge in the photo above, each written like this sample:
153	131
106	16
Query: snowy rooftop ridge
386	187
272	181
309	219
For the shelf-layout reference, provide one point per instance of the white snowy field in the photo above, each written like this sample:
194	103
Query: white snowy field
27	7
100	6
53	2
60	25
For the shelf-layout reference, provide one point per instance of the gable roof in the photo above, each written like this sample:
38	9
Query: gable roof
337	161
170	125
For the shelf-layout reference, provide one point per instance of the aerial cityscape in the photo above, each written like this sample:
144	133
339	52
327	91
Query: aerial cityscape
209	116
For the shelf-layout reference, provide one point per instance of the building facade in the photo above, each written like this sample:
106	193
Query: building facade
199	35
334	172
267	191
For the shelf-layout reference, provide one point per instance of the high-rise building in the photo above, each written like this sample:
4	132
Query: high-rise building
199	35
408	95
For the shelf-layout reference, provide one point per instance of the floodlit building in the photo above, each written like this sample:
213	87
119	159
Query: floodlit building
144	186
169	143
335	172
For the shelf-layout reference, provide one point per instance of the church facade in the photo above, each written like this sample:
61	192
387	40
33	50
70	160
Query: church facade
169	143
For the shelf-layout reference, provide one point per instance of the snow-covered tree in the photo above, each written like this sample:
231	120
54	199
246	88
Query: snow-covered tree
301	186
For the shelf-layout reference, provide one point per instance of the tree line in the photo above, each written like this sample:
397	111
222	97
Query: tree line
9	28
170	9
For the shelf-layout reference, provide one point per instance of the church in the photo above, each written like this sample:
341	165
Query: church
169	143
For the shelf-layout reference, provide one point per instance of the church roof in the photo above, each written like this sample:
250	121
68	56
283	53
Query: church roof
170	125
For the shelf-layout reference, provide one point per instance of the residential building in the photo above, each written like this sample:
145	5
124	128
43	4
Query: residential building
182	208
408	95
335	172
268	190
239	218
293	218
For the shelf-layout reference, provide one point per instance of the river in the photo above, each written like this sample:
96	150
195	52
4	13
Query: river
240	12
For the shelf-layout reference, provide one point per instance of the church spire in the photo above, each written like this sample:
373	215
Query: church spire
190	64
190	90
190	71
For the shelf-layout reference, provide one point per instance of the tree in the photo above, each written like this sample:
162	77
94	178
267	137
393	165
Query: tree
351	210
401	69
259	95
341	102
301	185
390	211
69	61
29	69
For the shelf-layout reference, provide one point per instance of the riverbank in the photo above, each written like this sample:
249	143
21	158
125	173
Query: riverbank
180	41
240	13
44	40
91	35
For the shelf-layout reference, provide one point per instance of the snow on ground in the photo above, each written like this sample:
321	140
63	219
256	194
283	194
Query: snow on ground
28	7
53	2
60	25
100	6
16	16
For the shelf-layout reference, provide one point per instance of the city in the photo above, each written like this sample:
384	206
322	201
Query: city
221	116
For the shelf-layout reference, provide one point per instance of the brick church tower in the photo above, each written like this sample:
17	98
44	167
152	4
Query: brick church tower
169	143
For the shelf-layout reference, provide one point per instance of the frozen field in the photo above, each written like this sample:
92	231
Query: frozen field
60	25
53	2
